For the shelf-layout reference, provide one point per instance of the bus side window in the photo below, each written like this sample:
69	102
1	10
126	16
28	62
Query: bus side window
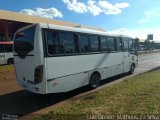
111	44
84	43
94	43
1	48
132	46
52	42
67	43
118	44
8	48
125	44
104	46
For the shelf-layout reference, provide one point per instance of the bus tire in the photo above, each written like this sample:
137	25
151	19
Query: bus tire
132	69
94	80
10	61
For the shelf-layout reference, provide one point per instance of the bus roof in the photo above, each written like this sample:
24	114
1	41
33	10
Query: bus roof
6	43
81	30
71	29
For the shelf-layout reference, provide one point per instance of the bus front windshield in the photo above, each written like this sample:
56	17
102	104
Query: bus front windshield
24	42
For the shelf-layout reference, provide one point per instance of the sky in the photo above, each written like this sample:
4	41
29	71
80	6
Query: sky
135	18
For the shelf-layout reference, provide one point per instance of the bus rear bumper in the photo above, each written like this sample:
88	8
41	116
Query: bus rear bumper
30	87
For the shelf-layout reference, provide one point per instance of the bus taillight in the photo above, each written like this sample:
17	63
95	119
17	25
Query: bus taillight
38	74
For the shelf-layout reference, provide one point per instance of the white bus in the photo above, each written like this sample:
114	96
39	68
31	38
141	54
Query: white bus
51	58
6	52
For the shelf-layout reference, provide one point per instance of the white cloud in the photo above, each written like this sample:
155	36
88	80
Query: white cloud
95	7
109	8
140	33
148	13
122	5
44	13
151	14
143	21
75	6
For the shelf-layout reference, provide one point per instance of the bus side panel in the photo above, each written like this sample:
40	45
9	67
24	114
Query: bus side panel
126	62
133	59
115	64
67	83
2	56
70	72
8	55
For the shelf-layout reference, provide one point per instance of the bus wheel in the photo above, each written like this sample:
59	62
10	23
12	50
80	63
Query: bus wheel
94	81
132	68
10	61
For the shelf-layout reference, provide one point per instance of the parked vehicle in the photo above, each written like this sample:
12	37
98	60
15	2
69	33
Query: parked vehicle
51	58
6	52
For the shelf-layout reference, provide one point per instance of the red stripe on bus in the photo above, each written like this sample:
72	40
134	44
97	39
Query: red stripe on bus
6	43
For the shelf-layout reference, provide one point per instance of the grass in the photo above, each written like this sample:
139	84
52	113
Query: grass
6	71
136	95
6	68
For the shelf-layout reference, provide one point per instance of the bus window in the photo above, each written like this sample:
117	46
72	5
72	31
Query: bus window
67	42
8	48
52	41
84	43
61	43
94	43
118	44
132	47
104	44
111	44
1	48
125	44
24	42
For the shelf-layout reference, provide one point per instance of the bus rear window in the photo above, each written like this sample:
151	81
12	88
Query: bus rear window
24	42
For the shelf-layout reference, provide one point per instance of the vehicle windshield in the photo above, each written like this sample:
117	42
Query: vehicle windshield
24	42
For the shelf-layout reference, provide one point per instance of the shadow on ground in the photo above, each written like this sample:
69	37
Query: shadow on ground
23	102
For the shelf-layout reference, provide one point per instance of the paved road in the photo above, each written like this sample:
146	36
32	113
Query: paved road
148	62
15	100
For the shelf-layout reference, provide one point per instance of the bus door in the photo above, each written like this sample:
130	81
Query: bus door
126	55
119	55
2	54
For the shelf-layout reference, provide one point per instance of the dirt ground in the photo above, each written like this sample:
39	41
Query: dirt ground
8	82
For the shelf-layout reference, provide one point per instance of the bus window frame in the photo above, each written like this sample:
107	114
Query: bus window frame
77	36
108	51
45	42
89	52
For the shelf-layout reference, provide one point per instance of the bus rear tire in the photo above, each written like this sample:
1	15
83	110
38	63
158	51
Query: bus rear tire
94	81
132	69
10	61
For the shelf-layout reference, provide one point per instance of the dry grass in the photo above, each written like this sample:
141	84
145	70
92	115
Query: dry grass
6	71
136	95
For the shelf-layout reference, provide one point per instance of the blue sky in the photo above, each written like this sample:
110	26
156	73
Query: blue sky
135	18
